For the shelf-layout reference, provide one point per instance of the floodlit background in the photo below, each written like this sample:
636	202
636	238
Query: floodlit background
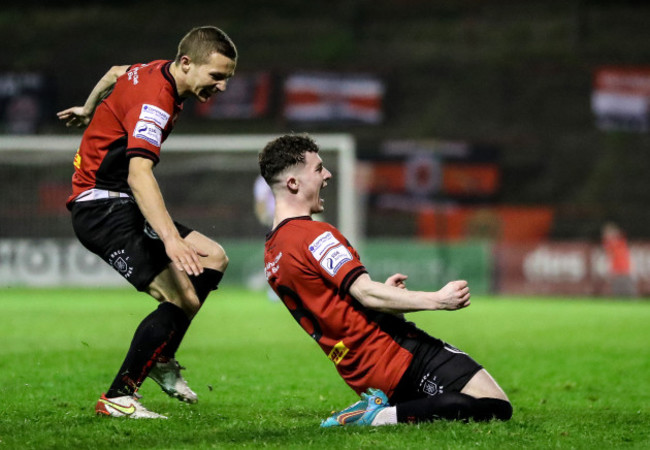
493	139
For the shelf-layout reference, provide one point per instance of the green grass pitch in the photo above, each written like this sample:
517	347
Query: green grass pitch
577	372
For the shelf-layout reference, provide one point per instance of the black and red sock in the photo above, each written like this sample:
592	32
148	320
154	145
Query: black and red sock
151	338
205	283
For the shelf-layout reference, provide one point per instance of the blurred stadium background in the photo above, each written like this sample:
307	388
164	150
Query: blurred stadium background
493	140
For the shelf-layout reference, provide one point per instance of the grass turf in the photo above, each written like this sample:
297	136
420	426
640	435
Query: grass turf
575	370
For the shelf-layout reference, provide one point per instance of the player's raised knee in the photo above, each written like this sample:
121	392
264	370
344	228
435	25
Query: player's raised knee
217	258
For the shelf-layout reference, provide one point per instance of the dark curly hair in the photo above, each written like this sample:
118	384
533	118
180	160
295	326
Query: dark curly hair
282	153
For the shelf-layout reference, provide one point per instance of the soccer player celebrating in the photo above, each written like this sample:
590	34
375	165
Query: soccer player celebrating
356	321
118	211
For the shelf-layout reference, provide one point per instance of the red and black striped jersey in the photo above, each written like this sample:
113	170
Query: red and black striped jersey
133	120
311	266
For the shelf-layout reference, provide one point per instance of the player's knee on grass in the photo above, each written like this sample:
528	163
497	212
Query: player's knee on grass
491	409
454	406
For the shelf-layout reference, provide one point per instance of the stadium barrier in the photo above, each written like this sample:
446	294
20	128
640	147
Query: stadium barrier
65	262
549	268
564	268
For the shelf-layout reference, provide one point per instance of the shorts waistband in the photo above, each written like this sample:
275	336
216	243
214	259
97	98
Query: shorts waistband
99	194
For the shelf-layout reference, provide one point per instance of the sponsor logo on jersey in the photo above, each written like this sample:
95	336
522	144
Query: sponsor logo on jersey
321	244
335	258
151	113
149	132
77	160
272	267
338	352
132	74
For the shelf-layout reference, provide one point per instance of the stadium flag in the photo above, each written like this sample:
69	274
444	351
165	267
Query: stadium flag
335	97
247	97
621	98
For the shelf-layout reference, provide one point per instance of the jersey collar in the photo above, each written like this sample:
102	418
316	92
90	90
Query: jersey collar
168	75
283	223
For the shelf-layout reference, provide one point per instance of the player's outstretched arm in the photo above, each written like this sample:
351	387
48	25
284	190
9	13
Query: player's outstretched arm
391	298
79	116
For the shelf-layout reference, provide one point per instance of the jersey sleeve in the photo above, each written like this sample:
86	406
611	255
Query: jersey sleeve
332	256
146	124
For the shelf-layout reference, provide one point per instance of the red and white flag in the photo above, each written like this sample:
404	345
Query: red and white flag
621	98
333	97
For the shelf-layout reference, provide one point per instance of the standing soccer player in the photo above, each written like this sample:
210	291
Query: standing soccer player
118	210
356	321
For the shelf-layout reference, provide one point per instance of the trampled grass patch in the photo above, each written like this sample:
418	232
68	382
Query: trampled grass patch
576	371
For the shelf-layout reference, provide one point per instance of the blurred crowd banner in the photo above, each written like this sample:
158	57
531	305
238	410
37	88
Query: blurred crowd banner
248	97
25	99
621	98
414	172
499	223
333	97
564	268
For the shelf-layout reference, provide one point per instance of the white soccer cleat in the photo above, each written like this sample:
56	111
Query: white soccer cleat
125	406
168	376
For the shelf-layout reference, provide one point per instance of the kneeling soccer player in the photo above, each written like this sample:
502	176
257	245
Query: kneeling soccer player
357	321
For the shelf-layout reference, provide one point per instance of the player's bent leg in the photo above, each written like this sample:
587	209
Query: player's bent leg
174	287
214	265
481	399
483	385
453	406
491	401
188	293
150	338
216	258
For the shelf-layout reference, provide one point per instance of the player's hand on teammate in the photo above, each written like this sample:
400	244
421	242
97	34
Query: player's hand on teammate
454	295
76	116
184	256
397	280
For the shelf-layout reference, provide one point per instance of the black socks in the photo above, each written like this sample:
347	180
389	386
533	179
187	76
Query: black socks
149	341
158	336
453	406
206	282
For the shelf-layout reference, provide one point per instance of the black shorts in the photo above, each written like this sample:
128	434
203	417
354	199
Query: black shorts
116	230
437	367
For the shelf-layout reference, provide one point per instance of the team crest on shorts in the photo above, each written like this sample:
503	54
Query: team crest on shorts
430	385
120	261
